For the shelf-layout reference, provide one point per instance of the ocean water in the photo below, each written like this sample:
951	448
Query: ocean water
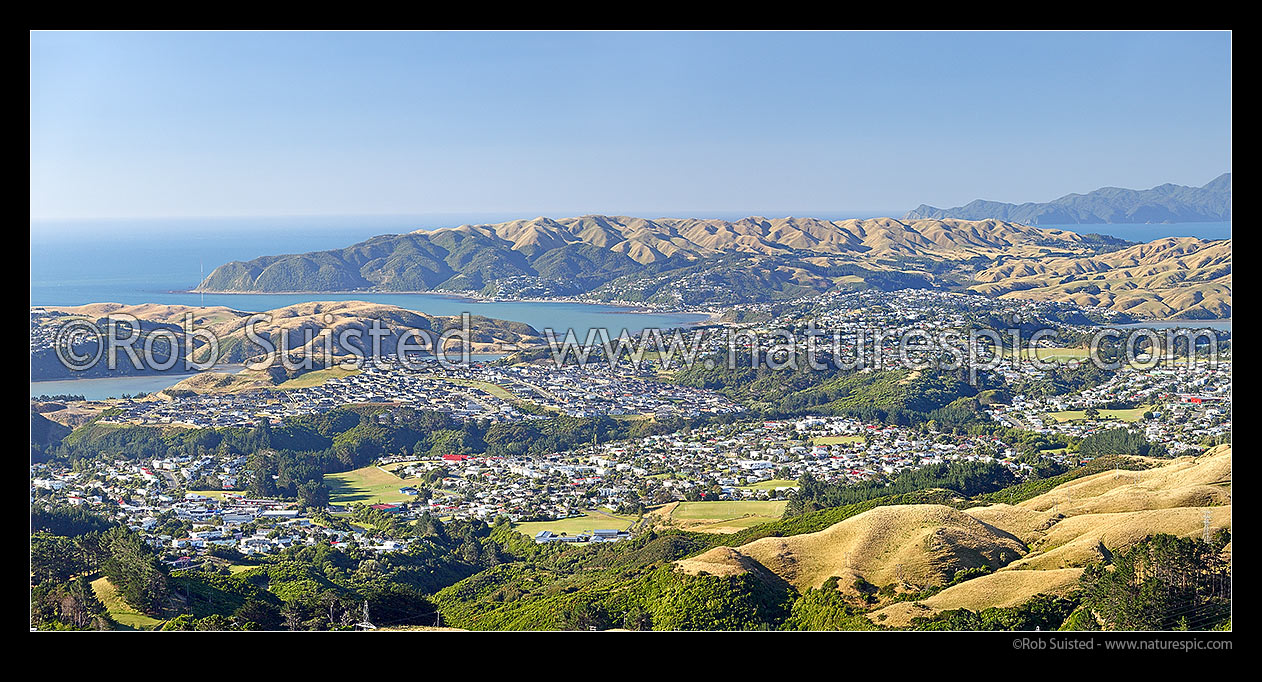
1148	232
155	261
134	261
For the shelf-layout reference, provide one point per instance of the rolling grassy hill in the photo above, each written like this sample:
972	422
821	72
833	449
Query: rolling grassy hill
997	590
302	327
1176	277
597	248
1038	546
923	545
686	262
894	562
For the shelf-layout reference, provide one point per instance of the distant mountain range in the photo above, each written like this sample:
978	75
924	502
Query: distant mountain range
682	263
1162	204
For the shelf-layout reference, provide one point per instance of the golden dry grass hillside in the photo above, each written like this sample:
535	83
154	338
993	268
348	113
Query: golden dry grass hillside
333	318
650	241
1081	522
207	316
921	545
1073	524
1177	277
1000	590
720	561
309	327
1039	546
1082	540
1165	278
245	380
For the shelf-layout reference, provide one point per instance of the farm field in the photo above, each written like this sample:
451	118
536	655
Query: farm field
127	617
369	485
720	516
591	520
1129	415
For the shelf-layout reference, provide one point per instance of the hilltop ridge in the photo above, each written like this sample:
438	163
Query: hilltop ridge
590	250
681	263
1039	546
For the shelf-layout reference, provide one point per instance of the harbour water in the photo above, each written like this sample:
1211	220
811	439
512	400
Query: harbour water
133	262
108	387
1219	325
158	261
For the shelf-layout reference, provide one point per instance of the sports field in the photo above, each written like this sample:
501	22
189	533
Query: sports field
836	440
369	485
1133	414
495	390
771	485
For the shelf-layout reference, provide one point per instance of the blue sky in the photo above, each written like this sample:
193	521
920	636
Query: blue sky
654	124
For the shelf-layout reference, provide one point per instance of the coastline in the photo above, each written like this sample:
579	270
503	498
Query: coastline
712	317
